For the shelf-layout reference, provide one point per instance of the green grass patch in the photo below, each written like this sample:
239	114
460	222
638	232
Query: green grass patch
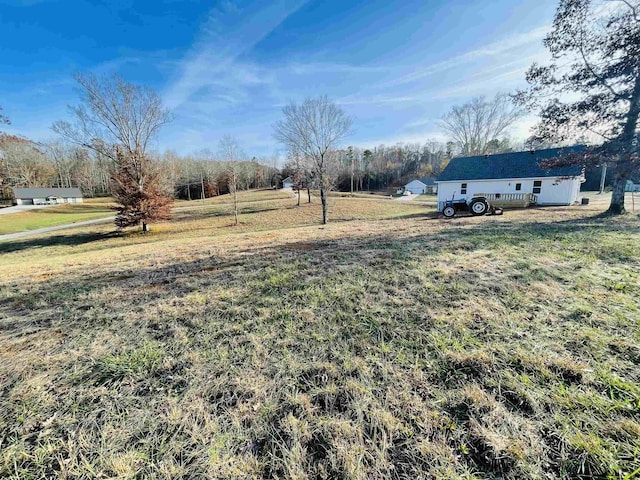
52	216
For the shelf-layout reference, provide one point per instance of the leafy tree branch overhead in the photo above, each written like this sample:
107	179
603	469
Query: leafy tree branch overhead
4	119
591	85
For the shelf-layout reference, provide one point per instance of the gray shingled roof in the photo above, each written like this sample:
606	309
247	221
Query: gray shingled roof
425	180
509	165
46	192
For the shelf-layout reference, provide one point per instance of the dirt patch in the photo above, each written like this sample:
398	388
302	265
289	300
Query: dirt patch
301	246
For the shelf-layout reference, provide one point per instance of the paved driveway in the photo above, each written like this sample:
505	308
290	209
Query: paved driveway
13	236
23	208
407	198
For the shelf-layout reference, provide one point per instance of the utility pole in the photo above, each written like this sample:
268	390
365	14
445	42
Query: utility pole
202	183
603	177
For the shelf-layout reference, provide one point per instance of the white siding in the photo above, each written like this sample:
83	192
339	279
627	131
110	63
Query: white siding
44	201
416	187
554	191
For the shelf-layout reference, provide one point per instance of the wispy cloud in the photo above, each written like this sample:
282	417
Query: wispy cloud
377	99
482	85
22	3
402	137
326	67
491	50
229	32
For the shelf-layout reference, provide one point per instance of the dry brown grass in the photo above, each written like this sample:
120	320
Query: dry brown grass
388	344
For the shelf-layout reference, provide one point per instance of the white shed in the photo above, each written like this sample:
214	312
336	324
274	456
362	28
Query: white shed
287	182
47	196
421	185
514	173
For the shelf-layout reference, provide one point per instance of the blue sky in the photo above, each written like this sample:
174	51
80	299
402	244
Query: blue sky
230	66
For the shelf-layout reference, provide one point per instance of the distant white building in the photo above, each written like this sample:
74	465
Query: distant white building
422	185
512	173
632	187
287	182
46	196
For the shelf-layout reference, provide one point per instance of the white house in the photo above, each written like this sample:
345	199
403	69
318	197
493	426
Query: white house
517	172
421	185
46	196
287	182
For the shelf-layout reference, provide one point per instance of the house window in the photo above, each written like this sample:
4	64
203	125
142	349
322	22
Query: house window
463	189
518	187
537	186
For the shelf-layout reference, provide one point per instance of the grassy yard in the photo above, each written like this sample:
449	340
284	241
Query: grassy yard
427	198
58	215
374	194
388	344
245	196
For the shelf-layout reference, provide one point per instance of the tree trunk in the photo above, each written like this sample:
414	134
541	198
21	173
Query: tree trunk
235	205
298	195
352	170
309	192
352	177
617	196
624	165
323	199
144	227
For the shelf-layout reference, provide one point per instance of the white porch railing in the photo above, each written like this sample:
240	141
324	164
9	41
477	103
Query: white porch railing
510	199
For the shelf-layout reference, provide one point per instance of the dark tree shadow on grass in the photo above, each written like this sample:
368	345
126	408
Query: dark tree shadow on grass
55	240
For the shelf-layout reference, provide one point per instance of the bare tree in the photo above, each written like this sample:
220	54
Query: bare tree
300	169
24	164
116	112
118	120
231	153
61	155
315	129
476	125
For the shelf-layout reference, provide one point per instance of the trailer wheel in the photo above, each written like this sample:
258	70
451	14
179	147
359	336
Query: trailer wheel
478	207
449	211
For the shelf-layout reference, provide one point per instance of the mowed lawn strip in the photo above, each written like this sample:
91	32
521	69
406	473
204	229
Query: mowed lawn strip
53	216
387	344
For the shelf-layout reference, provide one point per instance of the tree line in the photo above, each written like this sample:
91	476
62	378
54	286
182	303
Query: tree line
25	163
